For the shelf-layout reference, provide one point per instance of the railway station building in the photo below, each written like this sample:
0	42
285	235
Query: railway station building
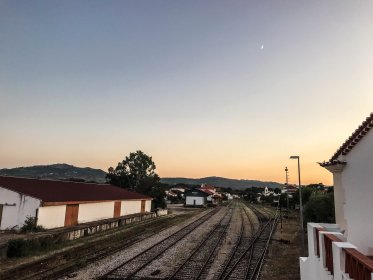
344	250
57	204
196	198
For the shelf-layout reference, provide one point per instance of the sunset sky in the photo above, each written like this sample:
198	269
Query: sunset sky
207	88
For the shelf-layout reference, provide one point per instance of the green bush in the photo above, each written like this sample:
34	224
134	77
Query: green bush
31	226
25	247
320	208
19	248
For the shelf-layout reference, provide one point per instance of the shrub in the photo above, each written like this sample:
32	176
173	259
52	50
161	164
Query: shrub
30	225
320	208
18	248
24	247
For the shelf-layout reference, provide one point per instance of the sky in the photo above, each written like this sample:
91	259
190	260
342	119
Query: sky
207	88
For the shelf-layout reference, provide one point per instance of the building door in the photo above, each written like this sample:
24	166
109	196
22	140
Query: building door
142	206
71	215
194	202
117	206
1	212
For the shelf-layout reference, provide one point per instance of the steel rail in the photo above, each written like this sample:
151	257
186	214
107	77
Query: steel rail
260	262
63	269
187	229
249	248
198	249
239	244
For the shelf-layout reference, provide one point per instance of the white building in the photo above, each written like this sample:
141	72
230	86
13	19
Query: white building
340	251
61	203
196	198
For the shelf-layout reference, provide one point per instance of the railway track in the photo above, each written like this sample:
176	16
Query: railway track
245	261
131	267
241	246
46	268
196	263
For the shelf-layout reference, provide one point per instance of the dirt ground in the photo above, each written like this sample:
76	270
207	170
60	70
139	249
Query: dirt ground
282	261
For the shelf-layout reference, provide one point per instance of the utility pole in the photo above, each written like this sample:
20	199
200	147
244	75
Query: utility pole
287	194
300	204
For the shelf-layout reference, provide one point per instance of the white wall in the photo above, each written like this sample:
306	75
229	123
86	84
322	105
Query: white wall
15	216
129	207
357	182
89	212
148	205
51	216
190	200
339	200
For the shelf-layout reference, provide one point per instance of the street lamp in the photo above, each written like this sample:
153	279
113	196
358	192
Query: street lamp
287	193
300	204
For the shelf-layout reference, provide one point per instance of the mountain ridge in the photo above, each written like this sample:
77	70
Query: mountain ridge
221	182
63	171
59	171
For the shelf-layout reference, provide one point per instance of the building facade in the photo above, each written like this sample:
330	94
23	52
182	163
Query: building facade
61	203
343	250
195	198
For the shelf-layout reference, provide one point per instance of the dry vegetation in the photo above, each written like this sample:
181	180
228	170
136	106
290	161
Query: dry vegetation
282	261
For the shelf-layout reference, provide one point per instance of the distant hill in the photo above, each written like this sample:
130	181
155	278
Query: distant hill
57	172
222	182
67	172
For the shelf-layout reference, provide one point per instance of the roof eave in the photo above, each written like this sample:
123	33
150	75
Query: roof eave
334	166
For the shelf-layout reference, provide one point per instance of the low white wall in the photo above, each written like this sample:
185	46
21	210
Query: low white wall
18	208
89	212
162	212
190	200
51	216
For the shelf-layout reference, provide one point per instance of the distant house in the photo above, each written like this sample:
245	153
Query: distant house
214	197
178	189
208	187
195	198
289	189
62	203
340	251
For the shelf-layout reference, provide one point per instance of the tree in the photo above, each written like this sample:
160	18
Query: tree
306	194
137	172
132	170
320	208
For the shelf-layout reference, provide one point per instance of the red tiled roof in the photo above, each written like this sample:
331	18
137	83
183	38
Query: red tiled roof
351	142
208	187
207	191
64	191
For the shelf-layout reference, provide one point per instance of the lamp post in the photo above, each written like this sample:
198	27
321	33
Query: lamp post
300	205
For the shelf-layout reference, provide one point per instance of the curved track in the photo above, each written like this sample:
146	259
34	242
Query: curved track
245	261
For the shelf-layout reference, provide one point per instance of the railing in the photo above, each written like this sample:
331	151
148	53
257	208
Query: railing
357	265
328	243
317	229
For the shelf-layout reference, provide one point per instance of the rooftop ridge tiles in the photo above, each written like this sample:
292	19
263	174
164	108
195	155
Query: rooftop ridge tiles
354	138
